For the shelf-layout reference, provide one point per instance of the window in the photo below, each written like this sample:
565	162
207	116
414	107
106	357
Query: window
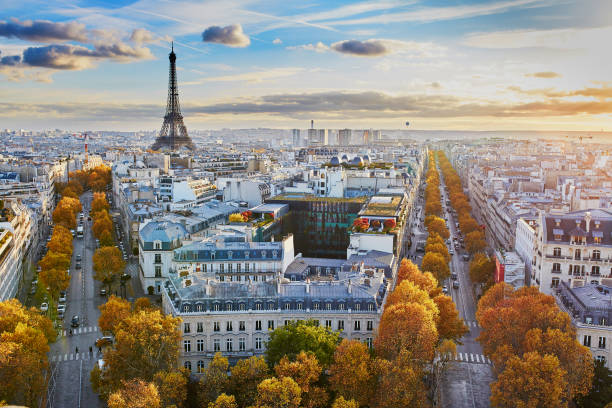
341	306
368	342
358	306
200	328
221	268
577	254
370	325
586	341
229	344
229	327
187	365
340	324
216	307
200	366
257	306
228	307
257	324
287	306
200	345
601	358
357	325
328	324
217	345
199	308
241	306
299	306
595	270
187	346
242	325
157	258
257	343
555	283
158	271
270	324
217	326
557	252
596	254
328	306
158	245
315	306
556	268
602	343
287	322
186	328
241	344
371	307
246	266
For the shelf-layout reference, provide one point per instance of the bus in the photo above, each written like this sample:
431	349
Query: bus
80	231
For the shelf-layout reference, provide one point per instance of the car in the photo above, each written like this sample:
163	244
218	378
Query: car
62	299
444	289
78	265
61	308
451	251
44	307
33	290
75	321
102	292
78	257
456	284
454	276
125	257
35	282
60	313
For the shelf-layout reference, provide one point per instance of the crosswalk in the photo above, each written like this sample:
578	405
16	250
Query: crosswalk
80	330
58	358
475	358
471	323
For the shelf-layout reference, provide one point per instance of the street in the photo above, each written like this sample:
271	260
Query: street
69	357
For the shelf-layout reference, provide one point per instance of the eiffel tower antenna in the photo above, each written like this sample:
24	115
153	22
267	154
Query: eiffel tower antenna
173	133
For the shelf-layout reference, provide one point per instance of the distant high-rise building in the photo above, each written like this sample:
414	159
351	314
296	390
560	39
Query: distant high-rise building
344	137
297	139
366	137
317	137
173	134
377	135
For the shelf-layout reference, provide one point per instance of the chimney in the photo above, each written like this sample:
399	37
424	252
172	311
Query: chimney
307	285
312	123
349	288
587	220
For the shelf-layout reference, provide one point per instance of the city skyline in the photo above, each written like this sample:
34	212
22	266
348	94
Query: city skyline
480	65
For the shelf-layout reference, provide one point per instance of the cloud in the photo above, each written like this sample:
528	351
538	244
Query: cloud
369	48
251	77
430	14
231	35
43	30
602	92
142	36
277	41
318	47
545	74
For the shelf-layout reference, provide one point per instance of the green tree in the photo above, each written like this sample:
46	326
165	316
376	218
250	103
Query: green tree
246	375
291	339
601	392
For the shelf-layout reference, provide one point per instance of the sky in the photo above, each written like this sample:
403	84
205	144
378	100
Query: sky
437	64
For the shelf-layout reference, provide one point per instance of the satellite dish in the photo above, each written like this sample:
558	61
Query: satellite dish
407	123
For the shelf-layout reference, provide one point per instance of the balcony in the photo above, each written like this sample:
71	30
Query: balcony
556	271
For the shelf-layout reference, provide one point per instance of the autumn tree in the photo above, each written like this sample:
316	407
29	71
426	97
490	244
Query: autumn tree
64	216
439	249
448	322
482	268
102	223
438	225
436	264
407	292
281	392
56	279
340	402
24	343
532	381
475	242
112	313
61	241
305	371
99	203
135	394
434	238
172	386
108	265
351	374
400	383
146	342
406	326
214	381
468	224
246	374
142	303
224	401
291	339
106	238
55	260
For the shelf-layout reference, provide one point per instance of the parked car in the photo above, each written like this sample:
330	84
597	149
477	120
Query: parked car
444	289
44	307
102	292
75	321
450	251
456	284
33	290
78	265
61	307
60	313
454	276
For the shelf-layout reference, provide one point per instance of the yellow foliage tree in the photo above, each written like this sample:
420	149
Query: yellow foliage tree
135	394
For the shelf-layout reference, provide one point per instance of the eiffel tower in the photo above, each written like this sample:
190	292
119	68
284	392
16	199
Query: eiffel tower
173	134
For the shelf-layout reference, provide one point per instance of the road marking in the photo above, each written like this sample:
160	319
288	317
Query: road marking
71	356
471	357
477	360
460	356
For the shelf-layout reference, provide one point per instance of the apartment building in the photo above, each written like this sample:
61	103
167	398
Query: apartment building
15	243
590	308
575	248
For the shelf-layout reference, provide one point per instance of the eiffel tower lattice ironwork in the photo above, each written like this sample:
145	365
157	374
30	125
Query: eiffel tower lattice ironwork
173	134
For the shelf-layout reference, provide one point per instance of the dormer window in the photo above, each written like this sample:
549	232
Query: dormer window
246	255
263	254
212	255
274	254
557	222
229	254
596	224
157	245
